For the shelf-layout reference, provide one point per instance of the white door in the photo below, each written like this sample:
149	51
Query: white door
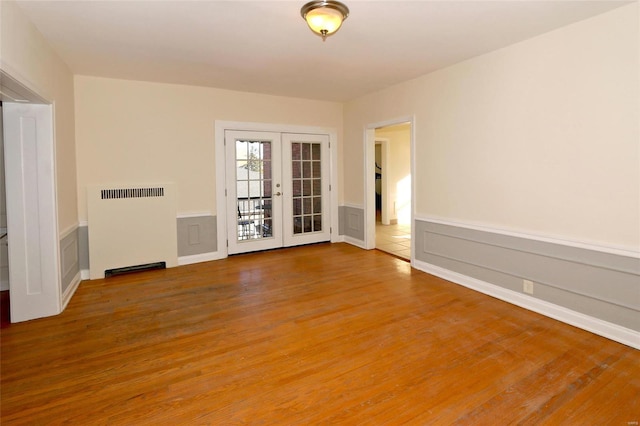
277	190
305	174
254	189
34	279
4	249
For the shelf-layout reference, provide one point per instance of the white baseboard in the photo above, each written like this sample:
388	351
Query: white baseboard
197	258
4	285
66	296
84	274
597	326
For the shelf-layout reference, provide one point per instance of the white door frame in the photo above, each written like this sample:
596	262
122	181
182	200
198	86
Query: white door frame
221	166
370	183
32	221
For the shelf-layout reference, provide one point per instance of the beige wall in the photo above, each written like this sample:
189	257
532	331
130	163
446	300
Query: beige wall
26	56
540	137
133	132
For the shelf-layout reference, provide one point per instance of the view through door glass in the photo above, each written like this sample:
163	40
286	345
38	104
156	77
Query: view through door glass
254	206
254	184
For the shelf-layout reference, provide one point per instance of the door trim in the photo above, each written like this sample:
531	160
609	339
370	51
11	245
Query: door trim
221	167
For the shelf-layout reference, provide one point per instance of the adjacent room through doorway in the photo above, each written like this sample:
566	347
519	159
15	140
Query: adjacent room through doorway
393	189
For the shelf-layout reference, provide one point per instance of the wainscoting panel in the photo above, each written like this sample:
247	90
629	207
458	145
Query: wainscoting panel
69	259
351	222
602	285
83	245
197	235
4	263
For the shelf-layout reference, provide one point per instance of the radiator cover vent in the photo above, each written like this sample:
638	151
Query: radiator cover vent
109	194
131	225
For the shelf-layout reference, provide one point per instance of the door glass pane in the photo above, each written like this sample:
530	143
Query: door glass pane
295	151
253	189
295	170
307	183
297	188
317	222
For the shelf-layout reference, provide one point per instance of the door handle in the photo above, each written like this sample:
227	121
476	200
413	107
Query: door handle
278	194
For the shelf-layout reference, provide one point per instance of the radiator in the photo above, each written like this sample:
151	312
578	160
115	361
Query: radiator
130	226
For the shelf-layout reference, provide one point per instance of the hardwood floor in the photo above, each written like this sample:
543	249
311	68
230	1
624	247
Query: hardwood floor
322	334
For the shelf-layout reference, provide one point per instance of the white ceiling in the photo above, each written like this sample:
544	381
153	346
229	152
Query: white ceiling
266	47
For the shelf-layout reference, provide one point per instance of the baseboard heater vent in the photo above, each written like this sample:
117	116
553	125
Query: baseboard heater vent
138	268
108	194
131	225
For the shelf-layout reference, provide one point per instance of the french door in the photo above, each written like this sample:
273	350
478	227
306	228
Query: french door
277	190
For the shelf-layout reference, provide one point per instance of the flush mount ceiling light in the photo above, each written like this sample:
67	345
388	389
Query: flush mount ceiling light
324	17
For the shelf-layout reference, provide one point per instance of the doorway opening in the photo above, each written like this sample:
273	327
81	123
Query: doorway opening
393	189
389	191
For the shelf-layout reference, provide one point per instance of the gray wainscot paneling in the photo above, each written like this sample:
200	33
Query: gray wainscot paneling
83	244
602	285
351	222
70	258
197	235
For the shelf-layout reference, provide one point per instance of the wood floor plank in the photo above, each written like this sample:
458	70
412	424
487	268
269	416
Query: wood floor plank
322	334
